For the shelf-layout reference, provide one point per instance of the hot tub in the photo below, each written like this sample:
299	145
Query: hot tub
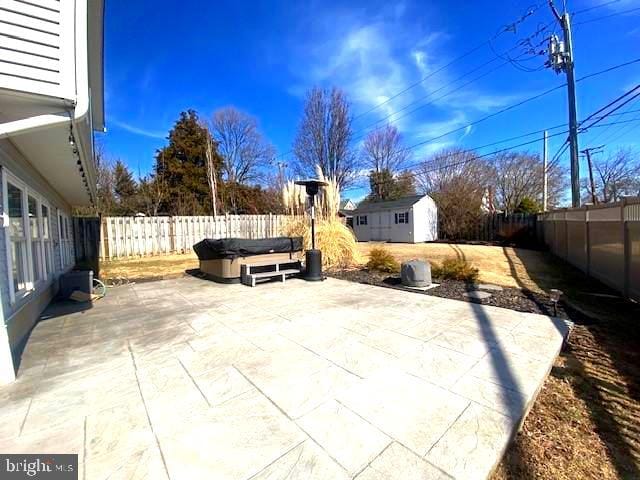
221	259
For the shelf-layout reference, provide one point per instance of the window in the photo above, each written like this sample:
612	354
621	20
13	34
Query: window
28	237
35	229
402	217
47	247
17	239
361	219
66	241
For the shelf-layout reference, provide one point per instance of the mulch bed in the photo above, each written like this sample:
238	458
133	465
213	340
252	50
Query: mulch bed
511	298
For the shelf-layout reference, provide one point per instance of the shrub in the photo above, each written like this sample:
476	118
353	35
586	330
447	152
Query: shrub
455	269
337	241
380	260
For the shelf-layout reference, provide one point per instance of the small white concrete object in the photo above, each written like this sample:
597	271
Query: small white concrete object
490	287
415	273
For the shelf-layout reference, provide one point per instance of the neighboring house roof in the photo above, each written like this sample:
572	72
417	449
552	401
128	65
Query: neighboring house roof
347	204
345	213
404	202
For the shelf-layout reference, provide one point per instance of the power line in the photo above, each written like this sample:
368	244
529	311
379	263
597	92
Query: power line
489	154
637	87
422	80
503	29
597	19
604	131
585	10
564	146
625	131
518	104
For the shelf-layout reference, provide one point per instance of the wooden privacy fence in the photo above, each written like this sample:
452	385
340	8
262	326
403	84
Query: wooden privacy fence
498	227
124	237
601	240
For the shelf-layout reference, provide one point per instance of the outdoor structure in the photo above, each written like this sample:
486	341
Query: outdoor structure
601	240
51	92
410	219
346	211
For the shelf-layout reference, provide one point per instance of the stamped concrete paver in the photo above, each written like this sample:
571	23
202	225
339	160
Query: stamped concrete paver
186	378
303	462
467	449
348	438
399	462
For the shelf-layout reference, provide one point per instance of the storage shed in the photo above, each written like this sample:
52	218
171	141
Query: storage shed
409	219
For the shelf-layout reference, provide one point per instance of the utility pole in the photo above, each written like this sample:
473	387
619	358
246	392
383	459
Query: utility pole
587	152
561	60
545	172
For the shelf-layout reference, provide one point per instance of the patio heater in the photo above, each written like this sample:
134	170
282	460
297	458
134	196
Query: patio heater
313	257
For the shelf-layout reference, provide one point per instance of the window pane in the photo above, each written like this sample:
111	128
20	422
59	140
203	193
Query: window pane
47	256
33	217
16	220
36	260
17	261
45	221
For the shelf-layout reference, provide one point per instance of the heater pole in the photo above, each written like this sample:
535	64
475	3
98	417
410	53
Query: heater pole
313	222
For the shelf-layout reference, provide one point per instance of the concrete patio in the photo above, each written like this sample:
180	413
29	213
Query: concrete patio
187	379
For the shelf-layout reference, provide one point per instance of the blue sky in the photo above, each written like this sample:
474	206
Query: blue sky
163	57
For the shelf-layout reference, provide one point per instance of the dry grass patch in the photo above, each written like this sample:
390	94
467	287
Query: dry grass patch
148	268
510	267
585	421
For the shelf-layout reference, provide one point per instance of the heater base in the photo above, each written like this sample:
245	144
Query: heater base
313	266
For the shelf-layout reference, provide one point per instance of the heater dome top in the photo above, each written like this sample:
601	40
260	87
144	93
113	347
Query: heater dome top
312	185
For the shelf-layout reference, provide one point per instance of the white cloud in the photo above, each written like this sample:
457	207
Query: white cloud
137	130
373	58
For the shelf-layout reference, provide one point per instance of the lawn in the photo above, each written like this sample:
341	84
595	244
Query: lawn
510	267
585	422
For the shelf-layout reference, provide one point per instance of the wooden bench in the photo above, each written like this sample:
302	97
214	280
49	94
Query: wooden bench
275	269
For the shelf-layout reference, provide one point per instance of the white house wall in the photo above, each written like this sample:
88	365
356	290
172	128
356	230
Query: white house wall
20	315
37	40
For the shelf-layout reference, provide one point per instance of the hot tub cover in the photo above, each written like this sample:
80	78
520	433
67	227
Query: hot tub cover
210	249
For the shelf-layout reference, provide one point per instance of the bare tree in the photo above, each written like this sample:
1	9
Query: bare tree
244	150
383	150
324	137
153	189
519	175
211	161
616	176
456	179
105	183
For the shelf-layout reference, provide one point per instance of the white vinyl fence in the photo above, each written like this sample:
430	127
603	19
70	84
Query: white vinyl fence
124	237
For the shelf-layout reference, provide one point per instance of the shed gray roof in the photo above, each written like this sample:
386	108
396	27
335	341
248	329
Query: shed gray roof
404	202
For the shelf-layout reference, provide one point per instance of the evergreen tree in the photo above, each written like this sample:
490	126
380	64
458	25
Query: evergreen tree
527	205
125	189
385	186
182	166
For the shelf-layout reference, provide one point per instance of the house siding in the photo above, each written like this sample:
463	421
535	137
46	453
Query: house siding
20	316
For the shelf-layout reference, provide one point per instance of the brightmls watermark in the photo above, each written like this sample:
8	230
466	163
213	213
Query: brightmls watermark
61	466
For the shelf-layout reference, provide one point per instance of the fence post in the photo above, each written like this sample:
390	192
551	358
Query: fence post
587	237
626	248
